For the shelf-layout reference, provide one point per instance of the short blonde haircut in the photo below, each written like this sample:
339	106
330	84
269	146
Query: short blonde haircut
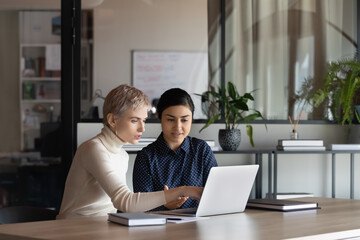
122	98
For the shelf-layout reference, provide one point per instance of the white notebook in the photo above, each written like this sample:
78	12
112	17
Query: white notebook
136	219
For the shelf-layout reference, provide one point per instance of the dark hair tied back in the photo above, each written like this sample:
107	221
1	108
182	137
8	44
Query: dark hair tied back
174	97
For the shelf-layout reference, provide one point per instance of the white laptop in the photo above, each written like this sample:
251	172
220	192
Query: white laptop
227	190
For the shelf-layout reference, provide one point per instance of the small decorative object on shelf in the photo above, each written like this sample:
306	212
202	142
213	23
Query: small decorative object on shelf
294	134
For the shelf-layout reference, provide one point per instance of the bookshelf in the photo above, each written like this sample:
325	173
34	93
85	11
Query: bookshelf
40	89
40	71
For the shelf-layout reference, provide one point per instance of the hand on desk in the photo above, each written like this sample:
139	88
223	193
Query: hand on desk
176	203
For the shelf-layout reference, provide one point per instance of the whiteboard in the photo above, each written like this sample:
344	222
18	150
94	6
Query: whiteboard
154	72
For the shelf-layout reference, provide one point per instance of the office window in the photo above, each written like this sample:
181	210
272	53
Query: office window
274	46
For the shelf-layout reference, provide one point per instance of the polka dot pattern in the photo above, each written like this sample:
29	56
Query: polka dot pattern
157	165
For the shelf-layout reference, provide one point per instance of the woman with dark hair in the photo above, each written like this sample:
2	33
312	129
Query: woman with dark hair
174	159
96	183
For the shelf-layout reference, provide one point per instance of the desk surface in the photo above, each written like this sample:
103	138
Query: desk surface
335	215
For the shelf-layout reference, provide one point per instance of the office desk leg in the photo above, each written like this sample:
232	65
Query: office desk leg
333	175
352	175
275	176
258	180
270	175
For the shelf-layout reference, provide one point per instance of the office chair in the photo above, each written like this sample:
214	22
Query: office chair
18	214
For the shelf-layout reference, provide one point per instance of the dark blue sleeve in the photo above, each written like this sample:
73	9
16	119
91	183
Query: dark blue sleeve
142	177
209	161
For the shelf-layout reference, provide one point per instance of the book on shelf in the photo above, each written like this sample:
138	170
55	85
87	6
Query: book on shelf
300	148
143	142
281	204
147	139
135	147
211	143
136	219
215	148
345	146
29	90
300	142
288	195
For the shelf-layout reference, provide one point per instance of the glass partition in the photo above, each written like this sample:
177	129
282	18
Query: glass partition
274	47
277	47
30	102
153	45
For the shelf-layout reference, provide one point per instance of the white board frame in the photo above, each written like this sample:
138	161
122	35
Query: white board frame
154	72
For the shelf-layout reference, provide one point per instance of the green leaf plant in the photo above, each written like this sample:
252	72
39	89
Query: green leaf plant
231	107
340	91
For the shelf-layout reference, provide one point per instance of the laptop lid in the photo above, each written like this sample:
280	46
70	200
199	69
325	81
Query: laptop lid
227	190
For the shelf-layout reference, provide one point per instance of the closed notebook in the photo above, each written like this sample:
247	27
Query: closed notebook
301	142
136	219
281	204
301	148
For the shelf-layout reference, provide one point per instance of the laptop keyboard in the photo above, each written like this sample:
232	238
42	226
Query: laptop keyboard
187	211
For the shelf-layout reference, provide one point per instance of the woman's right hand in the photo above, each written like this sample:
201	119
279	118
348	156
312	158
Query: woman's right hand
184	191
194	192
175	203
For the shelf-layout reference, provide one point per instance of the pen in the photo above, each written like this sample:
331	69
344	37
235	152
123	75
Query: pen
175	219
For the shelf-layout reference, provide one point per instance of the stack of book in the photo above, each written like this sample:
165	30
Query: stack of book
289	195
281	204
143	142
212	144
301	145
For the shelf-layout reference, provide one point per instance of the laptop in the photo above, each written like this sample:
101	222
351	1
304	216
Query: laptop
227	190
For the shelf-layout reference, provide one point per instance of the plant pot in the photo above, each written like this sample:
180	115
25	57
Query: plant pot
354	134
229	140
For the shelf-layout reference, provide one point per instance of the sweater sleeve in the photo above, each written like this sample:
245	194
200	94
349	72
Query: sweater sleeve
109	170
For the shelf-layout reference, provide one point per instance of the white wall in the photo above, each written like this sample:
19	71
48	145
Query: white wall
126	25
296	172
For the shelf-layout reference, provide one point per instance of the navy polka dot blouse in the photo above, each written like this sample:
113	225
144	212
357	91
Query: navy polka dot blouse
157	165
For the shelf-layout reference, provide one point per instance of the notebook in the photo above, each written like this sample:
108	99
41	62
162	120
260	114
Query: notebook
227	190
136	219
281	204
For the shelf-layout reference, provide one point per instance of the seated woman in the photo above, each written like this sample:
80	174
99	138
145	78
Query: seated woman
96	183
174	159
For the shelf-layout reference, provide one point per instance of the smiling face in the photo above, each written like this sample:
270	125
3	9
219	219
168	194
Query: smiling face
130	125
176	125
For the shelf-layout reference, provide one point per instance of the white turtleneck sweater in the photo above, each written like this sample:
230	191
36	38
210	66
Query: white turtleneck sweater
96	183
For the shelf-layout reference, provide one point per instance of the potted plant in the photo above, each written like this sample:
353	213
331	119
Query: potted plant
232	108
340	91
